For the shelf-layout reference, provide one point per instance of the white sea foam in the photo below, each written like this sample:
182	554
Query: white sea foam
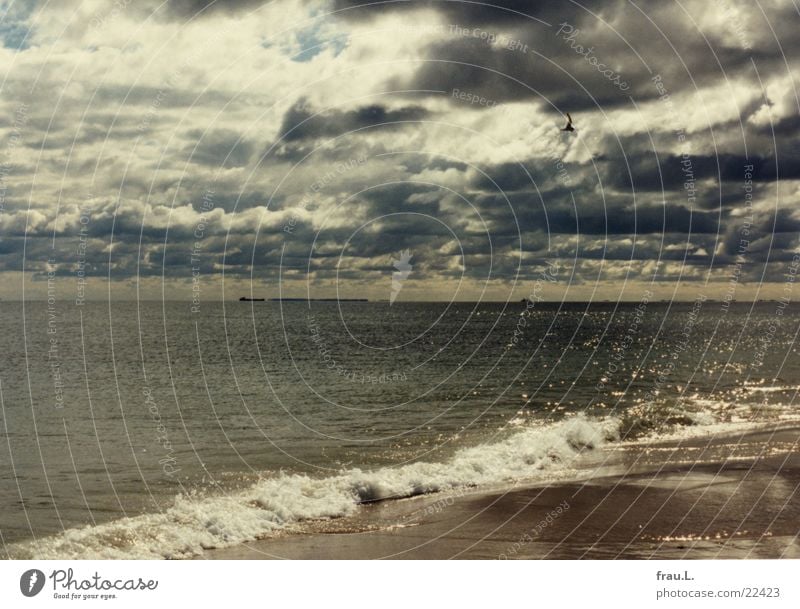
271	505
280	503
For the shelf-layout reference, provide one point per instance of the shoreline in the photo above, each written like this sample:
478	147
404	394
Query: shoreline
731	496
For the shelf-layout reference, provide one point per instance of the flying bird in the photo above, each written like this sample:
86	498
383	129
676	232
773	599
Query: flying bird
569	126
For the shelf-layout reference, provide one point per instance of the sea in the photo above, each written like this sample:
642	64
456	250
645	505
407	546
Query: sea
158	429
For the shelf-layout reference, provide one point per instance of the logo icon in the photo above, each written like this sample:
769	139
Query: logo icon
31	582
404	267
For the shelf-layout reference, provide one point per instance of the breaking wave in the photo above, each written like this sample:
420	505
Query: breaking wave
276	504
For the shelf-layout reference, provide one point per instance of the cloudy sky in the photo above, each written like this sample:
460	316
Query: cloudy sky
299	146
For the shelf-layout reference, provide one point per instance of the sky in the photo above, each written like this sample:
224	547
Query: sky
198	150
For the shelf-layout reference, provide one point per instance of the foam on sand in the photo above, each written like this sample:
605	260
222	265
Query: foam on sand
280	503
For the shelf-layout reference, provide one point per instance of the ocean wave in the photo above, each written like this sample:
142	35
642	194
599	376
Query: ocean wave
532	452
195	523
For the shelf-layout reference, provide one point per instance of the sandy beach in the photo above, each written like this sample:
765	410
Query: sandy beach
732	496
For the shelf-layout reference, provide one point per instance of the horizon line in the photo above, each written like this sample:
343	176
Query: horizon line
381	301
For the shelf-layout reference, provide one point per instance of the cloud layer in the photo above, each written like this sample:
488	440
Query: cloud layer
311	141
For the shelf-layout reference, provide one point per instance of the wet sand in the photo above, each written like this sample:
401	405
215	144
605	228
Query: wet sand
723	497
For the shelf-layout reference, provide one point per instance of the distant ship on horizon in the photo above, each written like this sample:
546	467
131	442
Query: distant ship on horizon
248	299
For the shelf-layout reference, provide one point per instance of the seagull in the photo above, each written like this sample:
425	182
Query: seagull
569	126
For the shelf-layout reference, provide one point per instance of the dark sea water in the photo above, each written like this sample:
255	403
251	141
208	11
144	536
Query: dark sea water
175	430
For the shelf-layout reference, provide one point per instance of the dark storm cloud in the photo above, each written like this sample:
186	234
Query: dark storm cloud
504	12
641	220
395	198
786	129
725	195
591	216
231	200
671	172
510	177
783	221
771	234
389	234
301	122
479	68
186	9
358	10
512	50
220	148
529	59
268	250
626	200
